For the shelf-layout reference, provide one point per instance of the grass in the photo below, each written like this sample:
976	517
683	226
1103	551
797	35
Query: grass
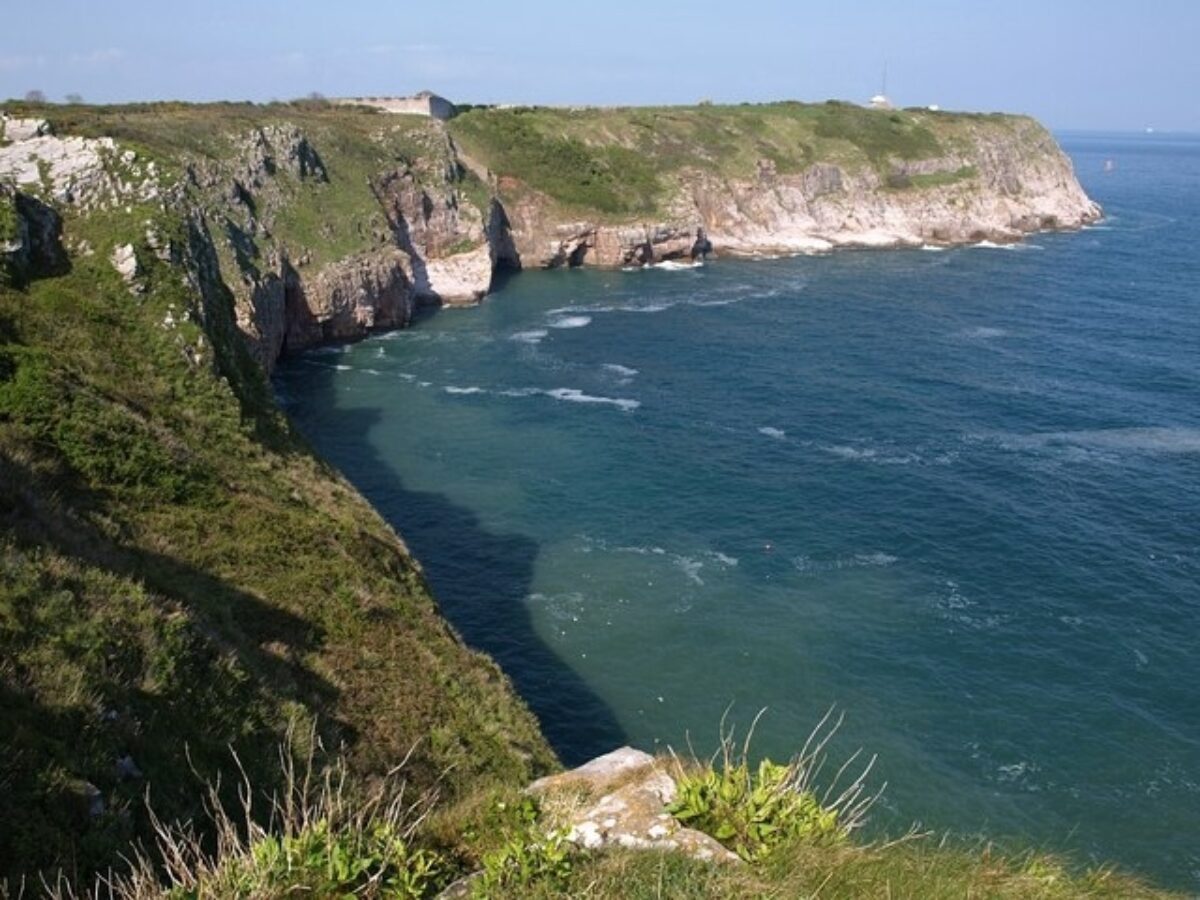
624	163
324	836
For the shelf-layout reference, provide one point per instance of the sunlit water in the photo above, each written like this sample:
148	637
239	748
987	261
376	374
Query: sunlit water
956	493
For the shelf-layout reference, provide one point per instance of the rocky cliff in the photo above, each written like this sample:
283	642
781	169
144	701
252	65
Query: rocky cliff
776	179
328	224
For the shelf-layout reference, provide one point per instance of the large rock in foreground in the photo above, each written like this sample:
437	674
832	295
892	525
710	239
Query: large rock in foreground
624	797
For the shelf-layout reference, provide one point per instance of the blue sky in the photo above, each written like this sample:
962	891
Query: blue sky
1073	64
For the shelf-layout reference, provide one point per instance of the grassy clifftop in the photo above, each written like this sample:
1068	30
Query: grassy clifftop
620	161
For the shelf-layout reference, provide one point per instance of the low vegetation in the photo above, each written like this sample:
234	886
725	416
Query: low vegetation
324	836
618	163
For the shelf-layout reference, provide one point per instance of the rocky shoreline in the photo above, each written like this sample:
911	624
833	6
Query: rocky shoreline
438	244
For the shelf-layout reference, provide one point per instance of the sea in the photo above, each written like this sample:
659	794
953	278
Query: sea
953	495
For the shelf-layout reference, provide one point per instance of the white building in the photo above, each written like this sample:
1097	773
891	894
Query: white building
425	103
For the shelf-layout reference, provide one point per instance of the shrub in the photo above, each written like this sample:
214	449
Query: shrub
527	854
753	811
320	839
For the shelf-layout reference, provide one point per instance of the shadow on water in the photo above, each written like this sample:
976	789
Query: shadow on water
479	578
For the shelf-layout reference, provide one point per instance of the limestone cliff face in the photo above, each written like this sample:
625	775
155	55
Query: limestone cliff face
999	185
431	245
347	299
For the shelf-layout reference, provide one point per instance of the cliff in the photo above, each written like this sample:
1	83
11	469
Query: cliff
179	575
330	222
632	186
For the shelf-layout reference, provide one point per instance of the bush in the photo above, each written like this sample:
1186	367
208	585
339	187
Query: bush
754	811
321	839
527	855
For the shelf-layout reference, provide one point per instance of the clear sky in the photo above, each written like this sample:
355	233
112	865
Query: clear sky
1104	64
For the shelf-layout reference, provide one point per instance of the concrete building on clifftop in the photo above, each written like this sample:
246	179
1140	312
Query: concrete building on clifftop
425	103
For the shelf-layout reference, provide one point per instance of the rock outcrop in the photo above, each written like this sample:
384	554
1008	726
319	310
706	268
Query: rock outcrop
30	237
347	299
625	798
75	171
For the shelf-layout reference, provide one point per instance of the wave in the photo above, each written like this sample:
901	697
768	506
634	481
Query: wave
532	336
806	565
889	456
571	322
777	433
671	265
623	371
574	395
327	351
1134	440
451	389
1017	246
983	332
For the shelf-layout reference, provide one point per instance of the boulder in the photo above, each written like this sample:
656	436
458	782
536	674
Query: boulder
633	792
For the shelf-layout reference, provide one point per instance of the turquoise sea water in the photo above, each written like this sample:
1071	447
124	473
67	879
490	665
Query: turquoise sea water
956	493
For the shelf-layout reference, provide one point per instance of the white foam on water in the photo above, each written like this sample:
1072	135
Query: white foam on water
452	389
623	371
532	336
1119	440
520	392
778	433
327	351
671	265
571	322
723	558
983	333
342	367
806	565
847	452
877	457
574	395
933	248
406	376
690	568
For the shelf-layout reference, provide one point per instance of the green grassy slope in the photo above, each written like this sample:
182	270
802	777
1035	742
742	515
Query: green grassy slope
620	162
180	574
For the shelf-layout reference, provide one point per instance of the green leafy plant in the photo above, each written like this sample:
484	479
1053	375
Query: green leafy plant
754	810
322	837
527	854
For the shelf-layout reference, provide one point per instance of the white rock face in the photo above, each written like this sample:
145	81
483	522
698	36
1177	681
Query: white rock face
633	792
14	129
462	279
124	260
75	170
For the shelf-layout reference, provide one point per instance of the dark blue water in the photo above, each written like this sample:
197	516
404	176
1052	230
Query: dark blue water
956	493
